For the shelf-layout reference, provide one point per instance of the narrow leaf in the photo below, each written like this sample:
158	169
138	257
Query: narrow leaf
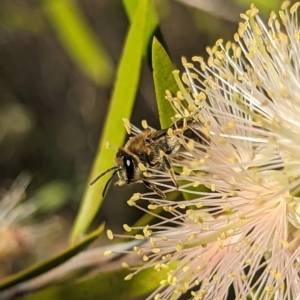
120	107
110	286
51	263
163	80
79	40
151	18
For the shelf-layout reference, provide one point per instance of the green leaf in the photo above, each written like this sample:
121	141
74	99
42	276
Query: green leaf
163	80
151	18
79	40
110	286
42	267
120	107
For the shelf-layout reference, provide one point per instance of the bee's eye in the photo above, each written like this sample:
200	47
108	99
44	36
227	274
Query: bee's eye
129	168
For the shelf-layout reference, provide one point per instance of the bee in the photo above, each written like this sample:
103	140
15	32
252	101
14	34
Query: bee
151	149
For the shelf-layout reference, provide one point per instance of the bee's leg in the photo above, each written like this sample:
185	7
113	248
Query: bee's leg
167	166
153	187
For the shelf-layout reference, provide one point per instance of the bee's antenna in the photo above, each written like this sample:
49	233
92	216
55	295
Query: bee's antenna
108	181
102	174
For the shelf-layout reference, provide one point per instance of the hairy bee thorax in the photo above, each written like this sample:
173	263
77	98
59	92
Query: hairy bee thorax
151	149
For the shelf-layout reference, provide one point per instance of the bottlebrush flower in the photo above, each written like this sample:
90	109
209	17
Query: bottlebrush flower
244	234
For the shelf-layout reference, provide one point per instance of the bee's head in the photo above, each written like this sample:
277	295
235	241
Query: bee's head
128	170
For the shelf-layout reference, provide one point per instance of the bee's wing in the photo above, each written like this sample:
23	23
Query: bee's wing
179	124
157	134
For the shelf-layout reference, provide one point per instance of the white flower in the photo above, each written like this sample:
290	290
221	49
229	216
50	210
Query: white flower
245	234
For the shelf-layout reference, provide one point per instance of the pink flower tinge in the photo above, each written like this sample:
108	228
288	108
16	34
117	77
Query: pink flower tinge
243	235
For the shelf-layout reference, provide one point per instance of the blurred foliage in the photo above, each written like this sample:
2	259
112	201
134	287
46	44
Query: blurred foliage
39	268
24	19
121	105
79	39
15	121
57	63
110	286
264	6
51	196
